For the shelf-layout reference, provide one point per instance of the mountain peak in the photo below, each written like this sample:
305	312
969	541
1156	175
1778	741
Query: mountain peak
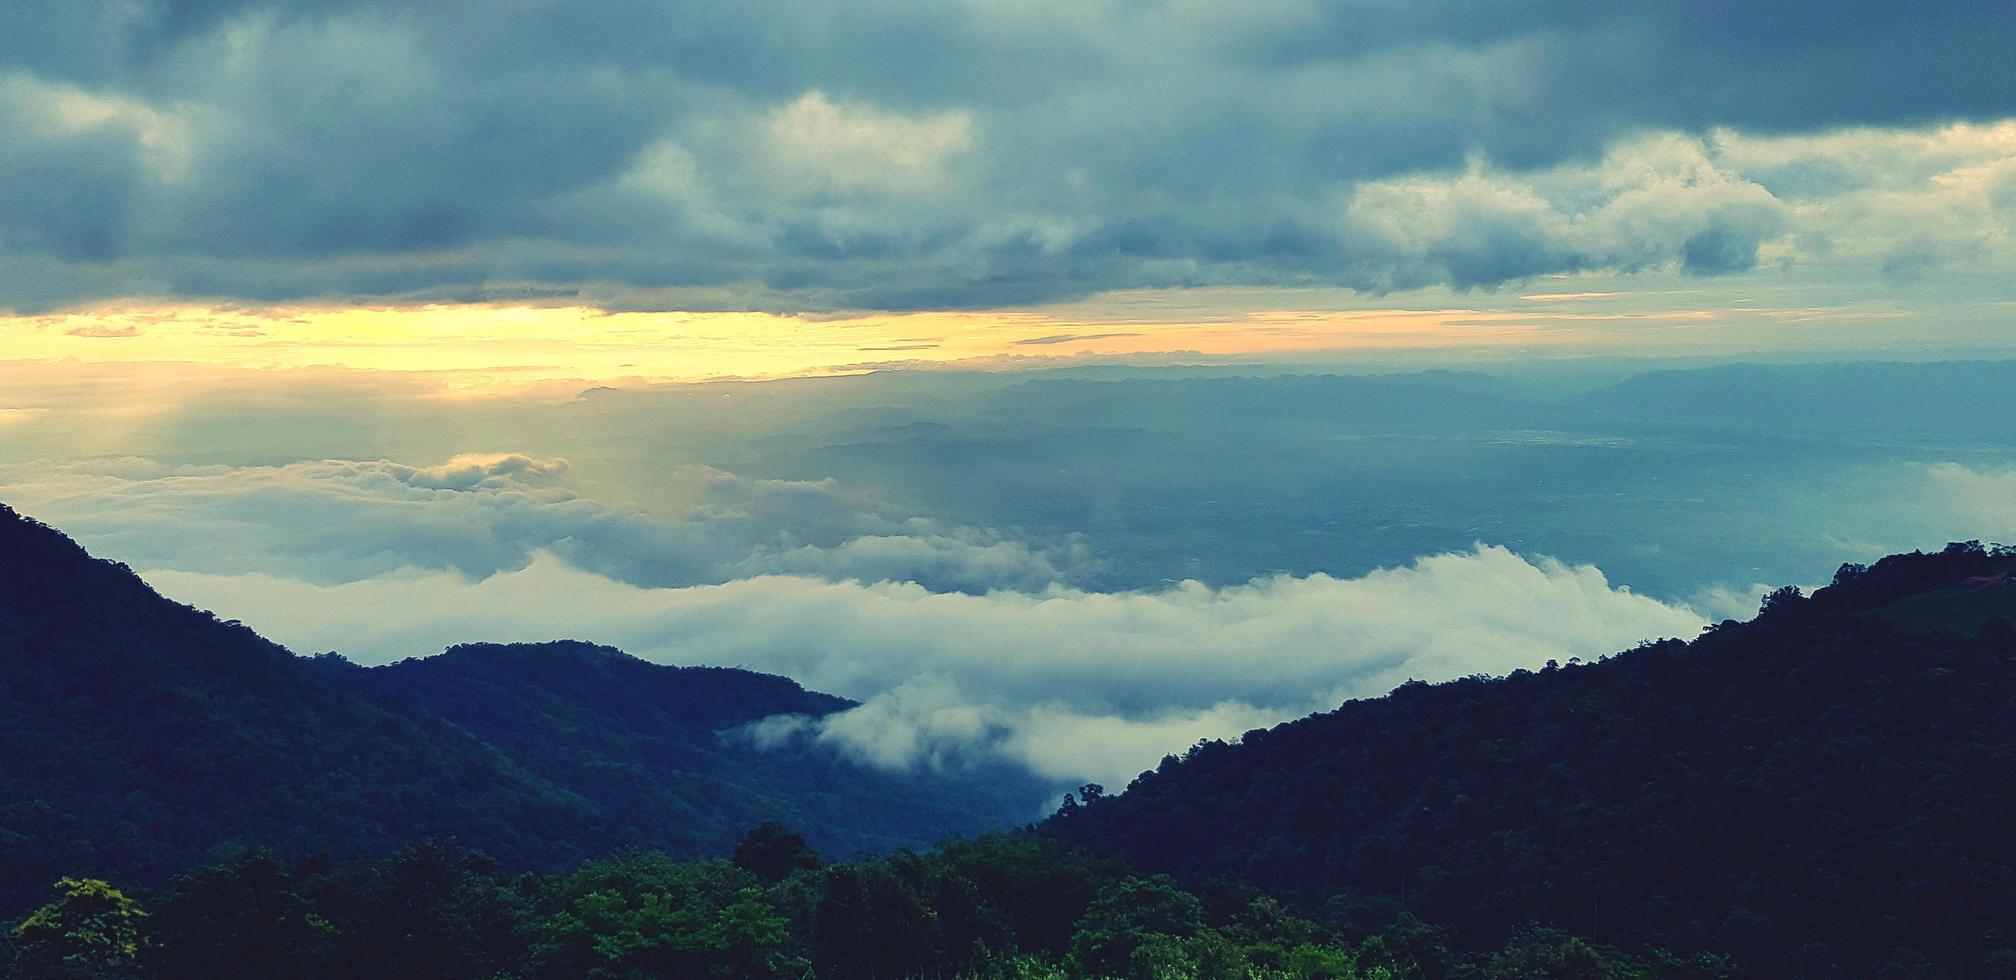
39	564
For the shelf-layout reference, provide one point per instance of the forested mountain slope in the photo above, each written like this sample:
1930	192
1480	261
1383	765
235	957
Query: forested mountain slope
659	748
1823	791
139	736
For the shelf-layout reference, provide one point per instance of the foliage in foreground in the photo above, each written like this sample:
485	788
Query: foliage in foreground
998	907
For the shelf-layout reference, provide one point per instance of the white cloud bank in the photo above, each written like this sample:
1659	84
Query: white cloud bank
1073	684
1985	498
963	643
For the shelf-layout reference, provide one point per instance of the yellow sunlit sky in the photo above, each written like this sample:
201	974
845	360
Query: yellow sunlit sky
484	344
528	343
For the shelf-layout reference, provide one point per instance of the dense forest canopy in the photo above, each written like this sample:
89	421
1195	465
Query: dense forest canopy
1822	791
1000	906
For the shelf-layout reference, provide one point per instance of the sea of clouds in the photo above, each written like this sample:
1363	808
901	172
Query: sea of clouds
966	646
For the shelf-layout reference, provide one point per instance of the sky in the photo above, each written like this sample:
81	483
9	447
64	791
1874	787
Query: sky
384	185
1067	381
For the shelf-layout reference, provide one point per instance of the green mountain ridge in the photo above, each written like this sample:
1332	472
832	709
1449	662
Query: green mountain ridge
1819	792
140	736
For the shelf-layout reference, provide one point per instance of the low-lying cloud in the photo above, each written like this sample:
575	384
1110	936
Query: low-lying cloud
1073	684
333	521
1986	498
964	643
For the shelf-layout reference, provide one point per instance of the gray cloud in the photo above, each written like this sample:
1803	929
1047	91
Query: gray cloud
1649	204
821	155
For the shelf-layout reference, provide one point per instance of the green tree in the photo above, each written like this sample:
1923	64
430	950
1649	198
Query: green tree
432	910
1545	954
90	930
754	940
1312	962
871	922
1128	915
1160	957
772	852
246	916
645	915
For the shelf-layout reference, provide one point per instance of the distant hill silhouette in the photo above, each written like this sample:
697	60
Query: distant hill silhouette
1417	400
1823	791
645	741
1924	404
139	736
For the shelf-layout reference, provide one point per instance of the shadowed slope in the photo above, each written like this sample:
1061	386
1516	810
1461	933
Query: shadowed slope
139	736
1816	788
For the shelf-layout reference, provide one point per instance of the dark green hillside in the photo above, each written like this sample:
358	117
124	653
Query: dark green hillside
136	734
1819	792
139	736
656	746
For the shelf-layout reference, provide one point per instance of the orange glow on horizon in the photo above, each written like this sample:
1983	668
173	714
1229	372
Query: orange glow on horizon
491	344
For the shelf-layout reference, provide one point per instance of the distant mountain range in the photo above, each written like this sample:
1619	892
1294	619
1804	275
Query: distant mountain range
1823	791
139	737
1926	405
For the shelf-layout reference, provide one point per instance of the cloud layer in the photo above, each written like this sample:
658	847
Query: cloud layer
818	155
343	520
1982	498
1073	684
964	643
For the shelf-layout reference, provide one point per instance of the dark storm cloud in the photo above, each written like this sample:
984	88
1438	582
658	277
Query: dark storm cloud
812	155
